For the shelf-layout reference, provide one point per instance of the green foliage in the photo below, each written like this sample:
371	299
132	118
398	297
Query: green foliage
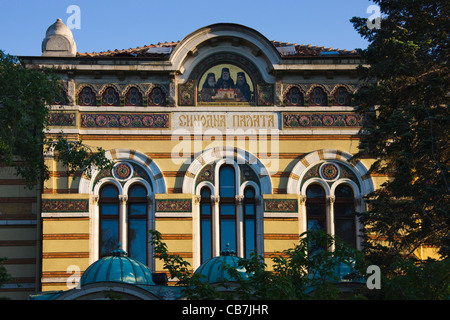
408	84
25	95
307	271
5	277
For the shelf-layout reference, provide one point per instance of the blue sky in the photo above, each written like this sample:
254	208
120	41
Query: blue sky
108	25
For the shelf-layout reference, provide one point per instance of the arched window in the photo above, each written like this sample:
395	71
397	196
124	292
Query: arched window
137	223
87	97
206	225
316	213
249	221
133	97
294	97
110	97
227	207
344	218
109	219
318	97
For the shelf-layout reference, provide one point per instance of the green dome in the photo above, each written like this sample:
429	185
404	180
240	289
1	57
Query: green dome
117	268
214	270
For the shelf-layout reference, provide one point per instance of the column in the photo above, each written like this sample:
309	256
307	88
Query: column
123	222
240	225
330	217
215	225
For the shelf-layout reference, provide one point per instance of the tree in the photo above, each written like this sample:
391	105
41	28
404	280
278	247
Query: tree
25	95
310	270
407	92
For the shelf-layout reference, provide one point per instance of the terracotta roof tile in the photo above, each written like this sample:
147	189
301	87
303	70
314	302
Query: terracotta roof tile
163	50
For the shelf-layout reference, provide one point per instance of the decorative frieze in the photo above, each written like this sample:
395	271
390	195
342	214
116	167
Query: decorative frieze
281	205
65	205
173	205
126	120
296	120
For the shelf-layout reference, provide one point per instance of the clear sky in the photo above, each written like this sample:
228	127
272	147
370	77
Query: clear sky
112	24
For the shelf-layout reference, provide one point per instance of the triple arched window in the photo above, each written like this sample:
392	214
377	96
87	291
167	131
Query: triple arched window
228	217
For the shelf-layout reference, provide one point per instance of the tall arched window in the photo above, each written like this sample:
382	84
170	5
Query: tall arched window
249	222
316	210
109	219
344	219
206	225
227	207
137	223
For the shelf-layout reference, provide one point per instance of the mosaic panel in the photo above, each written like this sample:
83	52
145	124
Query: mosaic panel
174	205
59	119
280	205
69	205
325	120
126	120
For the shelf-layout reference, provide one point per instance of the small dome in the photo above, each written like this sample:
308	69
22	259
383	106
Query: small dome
58	28
117	268
59	41
214	270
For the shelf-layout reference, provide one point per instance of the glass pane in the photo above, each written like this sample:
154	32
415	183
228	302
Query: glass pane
205	209
249	237
315	209
249	193
228	234
344	191
137	191
315	191
206	237
227	182
109	191
109	209
137	240
109	236
205	193
249	209
315	224
227	209
137	209
345	229
343	209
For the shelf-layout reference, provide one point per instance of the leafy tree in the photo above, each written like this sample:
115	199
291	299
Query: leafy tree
407	78
25	95
307	271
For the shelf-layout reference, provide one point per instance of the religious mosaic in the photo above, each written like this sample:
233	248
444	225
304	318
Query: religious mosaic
226	78
126	120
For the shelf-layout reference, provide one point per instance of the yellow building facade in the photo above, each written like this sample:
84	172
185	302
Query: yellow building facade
223	138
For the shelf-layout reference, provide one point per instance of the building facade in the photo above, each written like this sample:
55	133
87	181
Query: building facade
221	139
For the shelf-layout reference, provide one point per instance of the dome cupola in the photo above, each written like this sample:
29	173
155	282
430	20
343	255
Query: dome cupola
59	41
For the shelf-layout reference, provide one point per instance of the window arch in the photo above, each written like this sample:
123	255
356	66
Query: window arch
156	97
109	211
316	214
294	97
341	96
110	97
137	224
133	97
87	97
318	97
344	220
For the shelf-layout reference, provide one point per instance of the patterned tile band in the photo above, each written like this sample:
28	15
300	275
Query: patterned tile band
65	205
325	120
61	119
126	120
174	205
280	205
